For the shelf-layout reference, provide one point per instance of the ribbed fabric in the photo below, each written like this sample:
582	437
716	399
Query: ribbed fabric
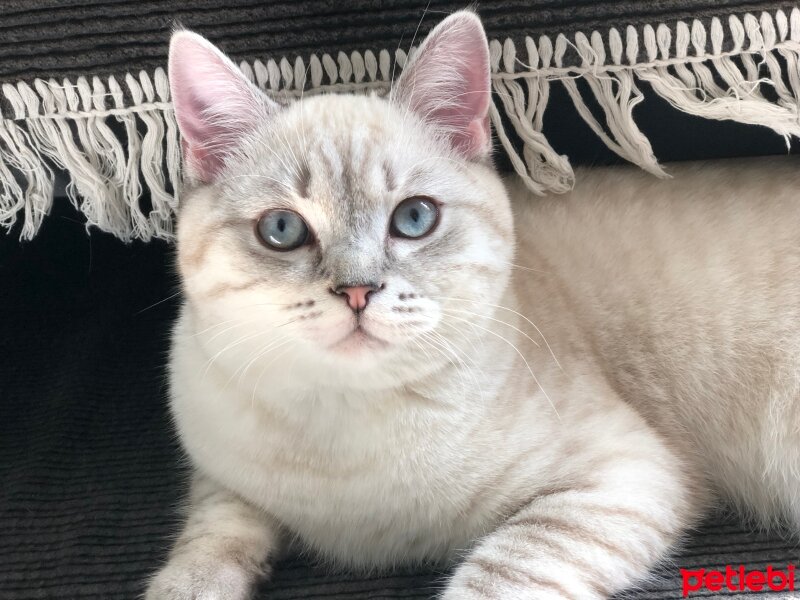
69	38
90	468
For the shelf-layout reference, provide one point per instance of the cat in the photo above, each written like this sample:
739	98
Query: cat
390	354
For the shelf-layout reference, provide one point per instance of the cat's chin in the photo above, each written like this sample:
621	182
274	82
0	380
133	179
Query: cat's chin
359	341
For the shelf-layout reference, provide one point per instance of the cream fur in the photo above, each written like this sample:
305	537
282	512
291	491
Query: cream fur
551	413
683	293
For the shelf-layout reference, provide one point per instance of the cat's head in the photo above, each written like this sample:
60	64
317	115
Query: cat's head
342	234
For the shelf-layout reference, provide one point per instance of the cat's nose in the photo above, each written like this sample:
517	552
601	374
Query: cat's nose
357	295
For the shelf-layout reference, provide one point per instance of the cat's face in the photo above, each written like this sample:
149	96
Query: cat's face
352	233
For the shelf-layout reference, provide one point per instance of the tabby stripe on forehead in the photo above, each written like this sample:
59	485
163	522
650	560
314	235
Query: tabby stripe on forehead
388	175
303	181
362	170
346	176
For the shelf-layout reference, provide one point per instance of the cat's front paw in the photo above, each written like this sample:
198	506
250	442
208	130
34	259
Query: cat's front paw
496	581
186	579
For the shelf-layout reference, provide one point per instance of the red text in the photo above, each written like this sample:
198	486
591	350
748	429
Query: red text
738	579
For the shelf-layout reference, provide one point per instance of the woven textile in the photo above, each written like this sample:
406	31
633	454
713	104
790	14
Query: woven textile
73	38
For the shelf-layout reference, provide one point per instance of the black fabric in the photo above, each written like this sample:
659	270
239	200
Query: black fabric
91	473
58	38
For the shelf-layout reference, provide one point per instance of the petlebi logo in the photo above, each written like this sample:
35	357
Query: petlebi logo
739	579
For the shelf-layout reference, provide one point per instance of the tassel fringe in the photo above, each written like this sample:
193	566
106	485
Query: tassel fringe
116	139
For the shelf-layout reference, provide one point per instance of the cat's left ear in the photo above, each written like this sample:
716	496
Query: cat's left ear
447	83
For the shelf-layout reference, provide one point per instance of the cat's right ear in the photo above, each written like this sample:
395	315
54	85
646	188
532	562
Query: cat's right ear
214	103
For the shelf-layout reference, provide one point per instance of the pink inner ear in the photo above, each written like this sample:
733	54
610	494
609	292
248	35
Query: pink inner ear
476	139
448	83
214	104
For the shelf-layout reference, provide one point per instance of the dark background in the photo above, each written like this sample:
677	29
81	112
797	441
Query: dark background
69	38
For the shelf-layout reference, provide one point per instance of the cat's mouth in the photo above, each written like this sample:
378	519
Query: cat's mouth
358	339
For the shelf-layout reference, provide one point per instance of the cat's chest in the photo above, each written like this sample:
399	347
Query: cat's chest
348	481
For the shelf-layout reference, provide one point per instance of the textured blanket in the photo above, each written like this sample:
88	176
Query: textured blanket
84	89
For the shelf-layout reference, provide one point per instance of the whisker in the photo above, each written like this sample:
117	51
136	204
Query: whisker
519	314
423	349
244	320
437	347
438	339
219	333
467	338
473	364
469	312
260	353
524	268
202	331
266	366
522	356
178	293
241	340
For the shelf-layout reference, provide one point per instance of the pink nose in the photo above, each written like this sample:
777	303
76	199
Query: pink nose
357	296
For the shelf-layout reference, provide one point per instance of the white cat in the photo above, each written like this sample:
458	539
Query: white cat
367	361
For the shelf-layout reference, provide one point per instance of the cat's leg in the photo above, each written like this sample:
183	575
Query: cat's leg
221	553
596	534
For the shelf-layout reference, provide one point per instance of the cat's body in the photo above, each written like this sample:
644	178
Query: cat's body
683	294
427	417
699	336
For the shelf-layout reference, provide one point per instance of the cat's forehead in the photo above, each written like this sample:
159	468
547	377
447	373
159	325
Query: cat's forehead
332	113
335	133
359	151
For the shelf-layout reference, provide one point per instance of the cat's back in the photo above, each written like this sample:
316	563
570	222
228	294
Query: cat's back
686	294
718	241
707	216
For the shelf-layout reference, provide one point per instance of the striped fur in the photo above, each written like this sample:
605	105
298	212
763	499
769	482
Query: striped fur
551	413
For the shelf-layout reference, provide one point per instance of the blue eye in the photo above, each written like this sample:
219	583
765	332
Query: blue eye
282	229
414	218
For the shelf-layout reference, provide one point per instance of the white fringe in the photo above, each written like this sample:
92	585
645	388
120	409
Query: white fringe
719	75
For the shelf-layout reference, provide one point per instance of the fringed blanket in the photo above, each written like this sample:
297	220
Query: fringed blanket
84	88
